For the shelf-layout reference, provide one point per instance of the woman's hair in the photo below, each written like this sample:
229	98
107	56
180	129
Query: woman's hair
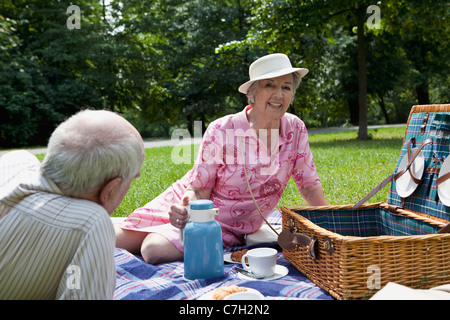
251	93
83	154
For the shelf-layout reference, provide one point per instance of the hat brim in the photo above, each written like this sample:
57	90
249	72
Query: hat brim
278	73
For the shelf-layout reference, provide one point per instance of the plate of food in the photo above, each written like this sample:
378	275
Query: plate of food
223	292
235	256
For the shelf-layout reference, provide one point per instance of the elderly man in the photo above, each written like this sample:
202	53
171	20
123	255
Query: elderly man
56	236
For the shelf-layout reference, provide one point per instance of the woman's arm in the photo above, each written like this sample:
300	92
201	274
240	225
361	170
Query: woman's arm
195	193
314	195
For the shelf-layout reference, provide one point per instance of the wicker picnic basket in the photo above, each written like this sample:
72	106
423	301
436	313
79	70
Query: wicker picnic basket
351	251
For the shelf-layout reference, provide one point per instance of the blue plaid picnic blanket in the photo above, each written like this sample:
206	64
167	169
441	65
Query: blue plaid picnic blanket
137	280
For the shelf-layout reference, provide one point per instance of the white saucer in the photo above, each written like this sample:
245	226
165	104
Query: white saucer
280	272
405	186
444	188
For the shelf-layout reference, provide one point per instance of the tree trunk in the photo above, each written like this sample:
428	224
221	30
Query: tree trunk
383	108
423	96
362	79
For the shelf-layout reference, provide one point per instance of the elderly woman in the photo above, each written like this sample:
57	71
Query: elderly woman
243	166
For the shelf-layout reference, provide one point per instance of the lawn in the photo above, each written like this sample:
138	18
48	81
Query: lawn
348	168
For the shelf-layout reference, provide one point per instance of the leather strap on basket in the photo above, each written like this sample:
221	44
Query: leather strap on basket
394	177
442	178
445	229
411	159
289	240
374	191
424	125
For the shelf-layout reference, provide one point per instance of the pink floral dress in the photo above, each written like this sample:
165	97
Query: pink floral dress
219	167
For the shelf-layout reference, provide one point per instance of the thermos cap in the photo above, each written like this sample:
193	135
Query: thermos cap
202	211
201	204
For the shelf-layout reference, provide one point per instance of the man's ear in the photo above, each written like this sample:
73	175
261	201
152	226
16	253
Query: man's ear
107	192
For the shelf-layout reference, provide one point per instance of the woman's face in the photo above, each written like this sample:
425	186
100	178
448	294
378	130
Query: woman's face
273	96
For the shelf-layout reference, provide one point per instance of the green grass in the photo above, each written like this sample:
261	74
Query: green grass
348	168
157	174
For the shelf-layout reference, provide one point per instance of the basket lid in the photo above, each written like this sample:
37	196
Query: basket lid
416	186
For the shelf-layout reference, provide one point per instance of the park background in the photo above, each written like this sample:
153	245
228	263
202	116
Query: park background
165	63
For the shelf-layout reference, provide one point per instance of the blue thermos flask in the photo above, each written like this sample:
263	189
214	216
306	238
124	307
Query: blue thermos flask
202	239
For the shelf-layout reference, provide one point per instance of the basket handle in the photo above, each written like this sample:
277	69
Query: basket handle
394	177
289	240
411	159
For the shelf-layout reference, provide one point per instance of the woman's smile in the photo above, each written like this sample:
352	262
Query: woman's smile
272	98
275	105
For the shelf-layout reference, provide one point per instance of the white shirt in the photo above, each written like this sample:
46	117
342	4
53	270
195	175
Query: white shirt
51	246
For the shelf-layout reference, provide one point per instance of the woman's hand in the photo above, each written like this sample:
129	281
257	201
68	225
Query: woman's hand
178	214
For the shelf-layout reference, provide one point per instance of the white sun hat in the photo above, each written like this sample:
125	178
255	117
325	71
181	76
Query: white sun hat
270	66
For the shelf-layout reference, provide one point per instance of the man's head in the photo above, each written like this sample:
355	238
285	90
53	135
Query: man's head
94	155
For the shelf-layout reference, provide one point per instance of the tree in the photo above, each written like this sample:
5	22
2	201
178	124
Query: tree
176	61
277	22
423	29
45	69
50	71
189	81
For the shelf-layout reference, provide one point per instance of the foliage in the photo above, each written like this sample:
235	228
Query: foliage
322	35
167	63
46	70
190	82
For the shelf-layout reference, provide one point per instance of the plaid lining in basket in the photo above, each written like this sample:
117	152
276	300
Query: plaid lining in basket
402	243
367	223
424	198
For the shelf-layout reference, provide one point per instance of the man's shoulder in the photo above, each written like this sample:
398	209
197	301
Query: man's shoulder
87	213
63	212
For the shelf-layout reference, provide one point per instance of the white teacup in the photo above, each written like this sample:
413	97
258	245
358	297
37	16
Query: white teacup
261	262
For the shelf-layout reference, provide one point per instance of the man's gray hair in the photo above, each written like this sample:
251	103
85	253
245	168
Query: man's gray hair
82	157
